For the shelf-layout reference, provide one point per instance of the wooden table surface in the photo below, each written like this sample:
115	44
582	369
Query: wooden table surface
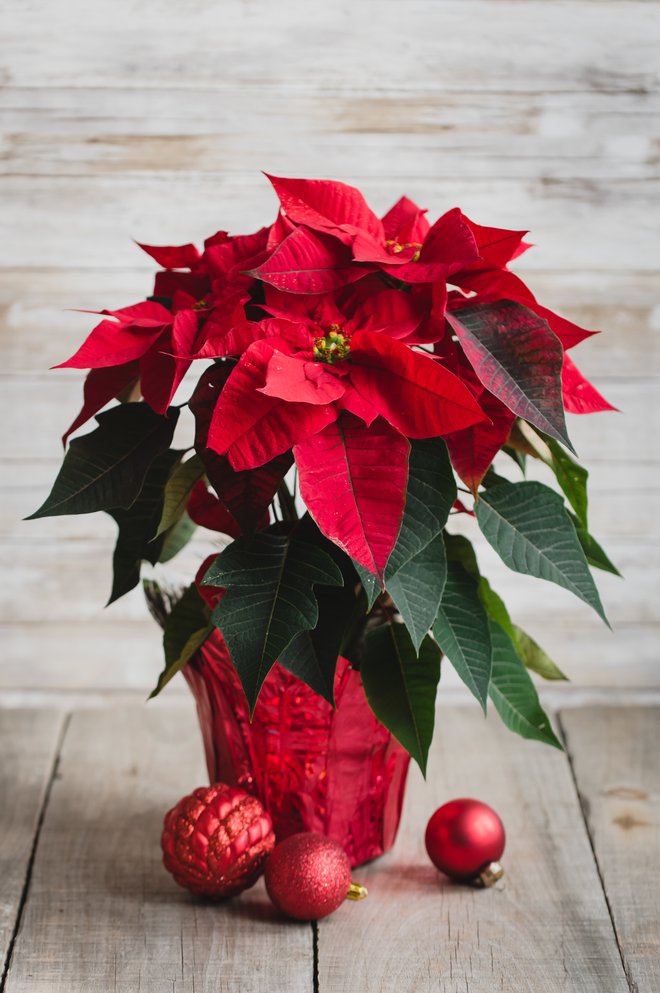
86	906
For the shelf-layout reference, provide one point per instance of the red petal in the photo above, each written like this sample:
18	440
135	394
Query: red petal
450	241
207	511
160	376
246	495
494	284
184	332
473	449
411	390
172	256
407	220
309	263
353	480
326	206
580	396
102	386
497	246
111	344
296	378
252	428
393	312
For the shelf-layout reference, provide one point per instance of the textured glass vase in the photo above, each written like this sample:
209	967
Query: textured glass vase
339	772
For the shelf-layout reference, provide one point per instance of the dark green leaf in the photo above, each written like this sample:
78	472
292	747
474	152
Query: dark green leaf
186	628
533	657
137	527
270	599
594	553
401	686
529	528
177	490
513	692
461	629
369	582
312	655
429	498
461	550
106	469
417	586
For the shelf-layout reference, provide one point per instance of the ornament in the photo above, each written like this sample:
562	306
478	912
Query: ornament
216	840
465	839
308	876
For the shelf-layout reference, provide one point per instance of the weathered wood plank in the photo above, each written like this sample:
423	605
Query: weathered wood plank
519	46
29	741
39	329
544	928
89	221
615	755
555	135
103	914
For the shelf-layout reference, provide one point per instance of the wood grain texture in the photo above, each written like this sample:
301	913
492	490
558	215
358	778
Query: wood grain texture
615	754
103	914
29	741
544	928
368	45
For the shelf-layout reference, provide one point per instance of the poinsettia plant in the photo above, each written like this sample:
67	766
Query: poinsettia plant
353	369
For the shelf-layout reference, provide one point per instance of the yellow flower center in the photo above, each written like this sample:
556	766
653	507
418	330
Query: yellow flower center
394	247
333	346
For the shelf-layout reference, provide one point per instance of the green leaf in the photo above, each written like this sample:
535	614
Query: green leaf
186	629
429	498
461	629
177	538
270	599
594	553
401	686
369	582
533	657
137	528
513	693
177	490
106	469
528	526
530	653
312	655
572	478
461	550
416	589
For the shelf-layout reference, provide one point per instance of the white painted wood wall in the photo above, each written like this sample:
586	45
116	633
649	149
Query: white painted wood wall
151	120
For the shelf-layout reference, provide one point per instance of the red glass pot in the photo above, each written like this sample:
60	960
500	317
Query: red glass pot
338	772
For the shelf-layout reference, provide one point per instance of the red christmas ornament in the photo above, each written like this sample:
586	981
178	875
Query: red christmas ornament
465	839
308	876
216	840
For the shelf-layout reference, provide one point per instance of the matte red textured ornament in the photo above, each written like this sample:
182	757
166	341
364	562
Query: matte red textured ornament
308	876
216	840
465	839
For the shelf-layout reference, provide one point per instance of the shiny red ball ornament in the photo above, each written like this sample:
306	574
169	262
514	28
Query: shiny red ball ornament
308	876
465	840
216	840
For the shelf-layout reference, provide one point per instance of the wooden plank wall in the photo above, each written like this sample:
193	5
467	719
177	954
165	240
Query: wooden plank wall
143	119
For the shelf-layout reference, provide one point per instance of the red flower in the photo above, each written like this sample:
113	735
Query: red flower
402	244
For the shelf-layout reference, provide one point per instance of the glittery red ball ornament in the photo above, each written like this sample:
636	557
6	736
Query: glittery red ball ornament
216	840
308	876
464	838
